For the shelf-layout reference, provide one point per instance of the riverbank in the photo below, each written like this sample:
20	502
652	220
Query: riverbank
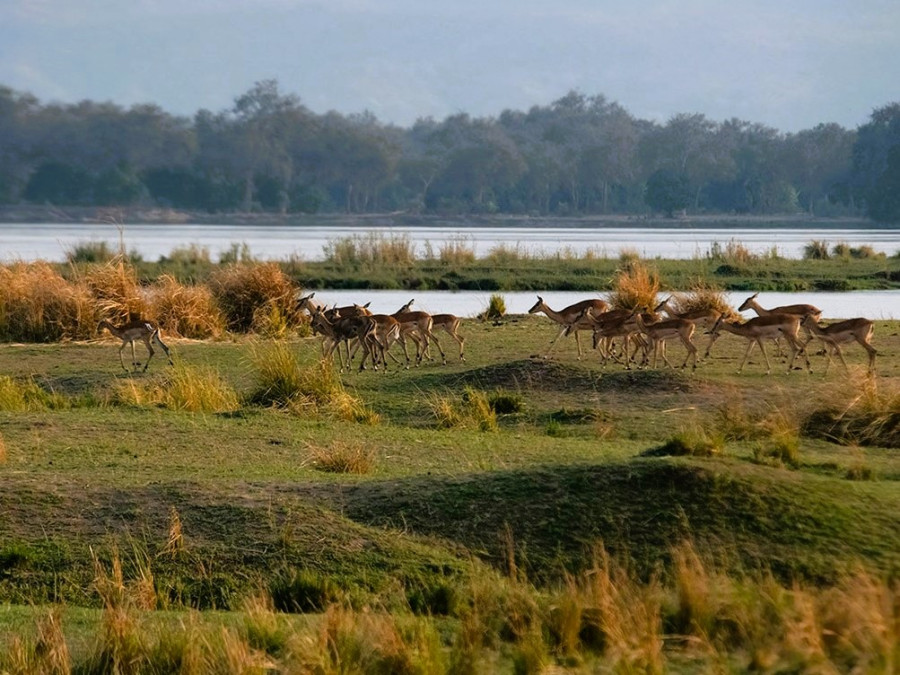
29	213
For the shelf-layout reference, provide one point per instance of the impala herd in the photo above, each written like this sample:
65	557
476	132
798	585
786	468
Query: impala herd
348	330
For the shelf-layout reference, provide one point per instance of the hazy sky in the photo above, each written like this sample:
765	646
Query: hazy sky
790	64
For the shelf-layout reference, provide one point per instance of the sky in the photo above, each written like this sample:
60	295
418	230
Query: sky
788	64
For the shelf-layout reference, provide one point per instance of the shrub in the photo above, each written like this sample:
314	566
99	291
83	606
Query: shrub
303	590
693	442
816	250
90	252
236	253
457	252
496	308
506	403
192	254
371	251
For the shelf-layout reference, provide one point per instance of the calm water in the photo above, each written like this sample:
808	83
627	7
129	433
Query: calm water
279	242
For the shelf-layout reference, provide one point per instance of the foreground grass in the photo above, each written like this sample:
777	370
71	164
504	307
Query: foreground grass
217	507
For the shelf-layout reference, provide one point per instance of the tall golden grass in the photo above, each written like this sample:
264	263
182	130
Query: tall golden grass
635	284
188	311
311	390
38	305
695	618
242	289
184	387
472	410
371	250
117	293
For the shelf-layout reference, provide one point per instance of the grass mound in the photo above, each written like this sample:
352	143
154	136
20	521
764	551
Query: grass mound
647	380
530	374
642	508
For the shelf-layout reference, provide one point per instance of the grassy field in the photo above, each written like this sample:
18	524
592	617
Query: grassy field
454	518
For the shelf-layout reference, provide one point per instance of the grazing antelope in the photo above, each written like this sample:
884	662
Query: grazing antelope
835	334
571	319
660	331
129	333
770	327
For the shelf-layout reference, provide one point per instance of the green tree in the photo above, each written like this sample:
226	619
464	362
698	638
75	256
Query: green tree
668	191
874	162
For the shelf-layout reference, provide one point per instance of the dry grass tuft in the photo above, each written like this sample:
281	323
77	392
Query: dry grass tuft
175	539
371	251
243	290
116	290
343	457
183	387
472	410
38	305
459	251
3	452
703	295
635	285
188	311
862	410
308	391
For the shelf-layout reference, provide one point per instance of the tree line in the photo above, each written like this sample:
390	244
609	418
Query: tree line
578	155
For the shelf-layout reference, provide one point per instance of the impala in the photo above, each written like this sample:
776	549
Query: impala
131	332
606	327
797	310
571	319
769	327
835	334
417	325
661	331
702	318
449	323
310	305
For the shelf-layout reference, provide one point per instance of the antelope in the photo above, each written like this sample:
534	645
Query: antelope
606	326
418	325
449	323
661	331
570	319
833	335
771	326
129	333
703	318
801	310
306	302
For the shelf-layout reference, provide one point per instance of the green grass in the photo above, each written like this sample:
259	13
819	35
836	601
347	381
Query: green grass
434	506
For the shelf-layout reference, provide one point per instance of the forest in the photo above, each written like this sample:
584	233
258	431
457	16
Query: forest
579	155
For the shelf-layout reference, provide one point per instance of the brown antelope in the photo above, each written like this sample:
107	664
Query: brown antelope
769	327
449	323
835	334
661	331
703	318
801	311
418	326
571	319
307	303
607	326
131	332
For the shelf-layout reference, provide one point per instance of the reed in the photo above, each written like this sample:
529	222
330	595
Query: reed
370	251
89	252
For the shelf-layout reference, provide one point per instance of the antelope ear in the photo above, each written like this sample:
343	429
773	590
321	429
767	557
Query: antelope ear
540	299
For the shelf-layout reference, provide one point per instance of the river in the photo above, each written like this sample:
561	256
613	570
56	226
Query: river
44	241
36	241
